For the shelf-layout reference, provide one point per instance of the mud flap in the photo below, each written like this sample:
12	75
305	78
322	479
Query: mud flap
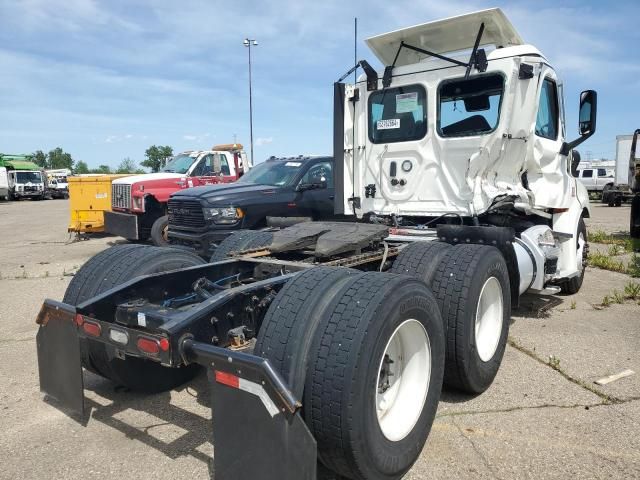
59	364
257	428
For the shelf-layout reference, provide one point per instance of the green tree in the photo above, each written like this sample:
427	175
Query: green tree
81	167
156	157
127	166
102	169
58	158
39	158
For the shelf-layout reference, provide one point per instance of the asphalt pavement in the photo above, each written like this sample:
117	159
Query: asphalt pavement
543	417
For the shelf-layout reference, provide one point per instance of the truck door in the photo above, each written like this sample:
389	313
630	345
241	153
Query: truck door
603	178
224	169
318	200
206	173
551	182
587	178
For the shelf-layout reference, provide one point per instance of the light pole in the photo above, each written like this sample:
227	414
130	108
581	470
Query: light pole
249	42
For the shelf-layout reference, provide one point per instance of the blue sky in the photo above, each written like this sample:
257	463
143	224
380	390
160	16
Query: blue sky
106	79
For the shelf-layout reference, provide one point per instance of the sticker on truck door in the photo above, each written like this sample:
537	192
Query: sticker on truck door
388	124
406	102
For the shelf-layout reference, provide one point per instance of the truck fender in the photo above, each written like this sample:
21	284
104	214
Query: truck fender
566	221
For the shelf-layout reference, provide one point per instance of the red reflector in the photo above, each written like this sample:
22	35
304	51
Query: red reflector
79	319
148	345
164	344
91	328
227	379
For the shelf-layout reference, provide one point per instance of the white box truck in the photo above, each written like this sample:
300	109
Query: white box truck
621	189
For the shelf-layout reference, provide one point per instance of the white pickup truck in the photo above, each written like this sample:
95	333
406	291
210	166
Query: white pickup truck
595	178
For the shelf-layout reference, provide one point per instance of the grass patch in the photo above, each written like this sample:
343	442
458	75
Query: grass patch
624	242
601	260
633	268
632	291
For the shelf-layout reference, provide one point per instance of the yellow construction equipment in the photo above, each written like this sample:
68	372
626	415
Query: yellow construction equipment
89	198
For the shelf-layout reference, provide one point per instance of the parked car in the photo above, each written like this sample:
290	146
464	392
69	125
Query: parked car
201	217
595	179
139	202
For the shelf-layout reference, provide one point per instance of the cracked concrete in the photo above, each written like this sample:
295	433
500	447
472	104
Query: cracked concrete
534	422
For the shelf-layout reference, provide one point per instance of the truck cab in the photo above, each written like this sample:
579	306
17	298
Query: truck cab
139	202
26	184
475	138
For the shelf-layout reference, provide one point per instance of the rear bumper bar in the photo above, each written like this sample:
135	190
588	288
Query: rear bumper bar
257	426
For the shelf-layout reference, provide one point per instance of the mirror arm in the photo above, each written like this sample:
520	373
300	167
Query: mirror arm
568	146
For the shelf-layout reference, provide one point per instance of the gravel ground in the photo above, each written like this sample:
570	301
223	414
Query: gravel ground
535	422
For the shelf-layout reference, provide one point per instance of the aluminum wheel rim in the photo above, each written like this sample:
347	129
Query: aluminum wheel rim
400	403
580	255
489	318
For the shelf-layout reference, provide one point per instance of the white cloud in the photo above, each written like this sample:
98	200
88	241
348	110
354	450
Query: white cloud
260	141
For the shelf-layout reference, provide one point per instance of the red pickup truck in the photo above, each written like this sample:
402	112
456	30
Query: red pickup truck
139	202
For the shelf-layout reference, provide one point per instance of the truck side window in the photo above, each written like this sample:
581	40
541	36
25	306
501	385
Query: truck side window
602	172
587	174
224	165
469	107
547	119
398	114
317	173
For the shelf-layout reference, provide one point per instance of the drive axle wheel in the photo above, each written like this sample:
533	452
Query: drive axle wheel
374	376
420	260
110	268
472	288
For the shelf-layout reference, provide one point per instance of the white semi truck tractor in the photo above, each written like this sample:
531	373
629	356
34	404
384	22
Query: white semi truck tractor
327	343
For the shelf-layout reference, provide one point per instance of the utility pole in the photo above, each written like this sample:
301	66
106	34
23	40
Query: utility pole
249	42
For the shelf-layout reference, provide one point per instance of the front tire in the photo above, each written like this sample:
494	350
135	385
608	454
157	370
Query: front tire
573	285
159	231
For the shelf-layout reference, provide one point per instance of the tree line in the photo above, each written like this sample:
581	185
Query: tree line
155	158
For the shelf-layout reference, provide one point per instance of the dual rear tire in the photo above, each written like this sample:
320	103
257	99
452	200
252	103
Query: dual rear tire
471	286
365	352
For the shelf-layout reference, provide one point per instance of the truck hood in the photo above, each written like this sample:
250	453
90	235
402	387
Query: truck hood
148	177
226	193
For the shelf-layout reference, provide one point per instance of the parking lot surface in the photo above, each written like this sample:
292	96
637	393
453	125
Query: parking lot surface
544	417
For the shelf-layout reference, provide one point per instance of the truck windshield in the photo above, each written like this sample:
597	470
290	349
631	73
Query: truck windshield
470	107
272	173
28	177
179	164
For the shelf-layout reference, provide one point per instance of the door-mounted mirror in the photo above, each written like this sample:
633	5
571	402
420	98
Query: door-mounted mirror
587	116
586	120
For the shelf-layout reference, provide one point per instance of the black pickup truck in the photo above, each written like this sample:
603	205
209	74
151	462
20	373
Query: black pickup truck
202	217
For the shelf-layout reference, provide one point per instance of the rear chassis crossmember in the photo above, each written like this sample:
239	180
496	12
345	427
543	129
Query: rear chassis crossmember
264	435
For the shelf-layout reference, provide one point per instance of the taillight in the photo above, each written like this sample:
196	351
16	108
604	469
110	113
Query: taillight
148	345
79	319
164	344
91	328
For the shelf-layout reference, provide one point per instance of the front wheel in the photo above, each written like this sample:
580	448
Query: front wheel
159	231
574	284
